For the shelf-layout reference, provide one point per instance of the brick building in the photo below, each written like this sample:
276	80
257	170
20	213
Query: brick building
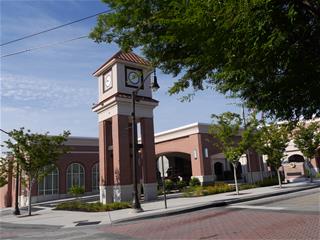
188	151
80	166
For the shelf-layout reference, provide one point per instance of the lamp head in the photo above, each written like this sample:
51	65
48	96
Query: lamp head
155	86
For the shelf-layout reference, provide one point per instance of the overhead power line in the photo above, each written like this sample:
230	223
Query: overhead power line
54	28
44	46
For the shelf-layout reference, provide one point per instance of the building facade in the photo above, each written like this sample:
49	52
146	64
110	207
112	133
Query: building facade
188	151
80	166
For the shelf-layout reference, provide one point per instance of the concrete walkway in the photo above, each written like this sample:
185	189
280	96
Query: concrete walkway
46	216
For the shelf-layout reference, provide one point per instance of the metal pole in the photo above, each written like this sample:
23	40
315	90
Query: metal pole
16	209
164	184
135	202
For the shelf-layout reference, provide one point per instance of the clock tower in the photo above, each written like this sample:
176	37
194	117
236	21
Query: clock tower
118	77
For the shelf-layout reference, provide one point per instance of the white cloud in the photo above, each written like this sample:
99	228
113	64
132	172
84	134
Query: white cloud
79	121
21	89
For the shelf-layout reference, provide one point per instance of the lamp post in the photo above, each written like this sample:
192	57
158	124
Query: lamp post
16	205
16	208
135	202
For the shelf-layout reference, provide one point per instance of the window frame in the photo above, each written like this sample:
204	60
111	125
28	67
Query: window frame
43	191
95	174
72	173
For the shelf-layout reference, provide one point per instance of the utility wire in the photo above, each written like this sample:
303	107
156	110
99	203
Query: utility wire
4	131
54	28
43	46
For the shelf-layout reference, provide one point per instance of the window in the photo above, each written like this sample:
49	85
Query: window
95	177
49	185
206	153
75	175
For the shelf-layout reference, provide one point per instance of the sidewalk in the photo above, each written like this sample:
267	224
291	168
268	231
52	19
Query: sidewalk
46	216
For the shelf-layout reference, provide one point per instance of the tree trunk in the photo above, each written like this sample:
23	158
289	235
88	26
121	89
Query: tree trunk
279	178
29	196
235	178
310	169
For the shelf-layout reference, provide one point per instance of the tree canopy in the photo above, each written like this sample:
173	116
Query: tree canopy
233	141
267	52
307	138
272	140
35	153
6	167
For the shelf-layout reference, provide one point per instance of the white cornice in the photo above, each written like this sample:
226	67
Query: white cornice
183	131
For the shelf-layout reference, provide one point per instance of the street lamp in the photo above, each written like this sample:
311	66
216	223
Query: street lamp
135	202
16	208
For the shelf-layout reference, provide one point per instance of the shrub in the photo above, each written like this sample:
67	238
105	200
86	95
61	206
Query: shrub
267	182
197	191
317	175
181	185
160	192
194	182
168	185
91	207
76	190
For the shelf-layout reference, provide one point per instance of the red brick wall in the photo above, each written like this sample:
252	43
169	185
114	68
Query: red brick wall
86	159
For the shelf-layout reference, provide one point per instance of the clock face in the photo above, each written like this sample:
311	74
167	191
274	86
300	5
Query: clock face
107	81
133	77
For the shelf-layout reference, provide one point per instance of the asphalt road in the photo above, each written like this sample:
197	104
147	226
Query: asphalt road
291	216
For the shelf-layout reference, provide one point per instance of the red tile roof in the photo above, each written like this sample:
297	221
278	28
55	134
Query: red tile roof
126	56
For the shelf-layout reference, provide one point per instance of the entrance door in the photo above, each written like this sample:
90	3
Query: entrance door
218	170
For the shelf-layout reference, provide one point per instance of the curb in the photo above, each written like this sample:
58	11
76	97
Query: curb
220	203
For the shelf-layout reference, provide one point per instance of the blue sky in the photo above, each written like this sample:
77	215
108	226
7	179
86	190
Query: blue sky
52	89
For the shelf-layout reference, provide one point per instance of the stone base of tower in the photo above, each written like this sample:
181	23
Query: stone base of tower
106	194
116	193
150	191
122	193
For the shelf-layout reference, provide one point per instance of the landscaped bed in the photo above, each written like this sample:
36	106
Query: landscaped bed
197	191
91	207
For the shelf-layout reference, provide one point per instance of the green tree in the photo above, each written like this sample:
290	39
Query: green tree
307	140
233	141
35	153
266	52
272	141
6	167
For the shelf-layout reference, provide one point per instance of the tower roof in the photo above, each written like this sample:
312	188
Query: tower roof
125	56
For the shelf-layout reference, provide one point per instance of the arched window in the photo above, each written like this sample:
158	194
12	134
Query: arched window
49	184
75	175
95	177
